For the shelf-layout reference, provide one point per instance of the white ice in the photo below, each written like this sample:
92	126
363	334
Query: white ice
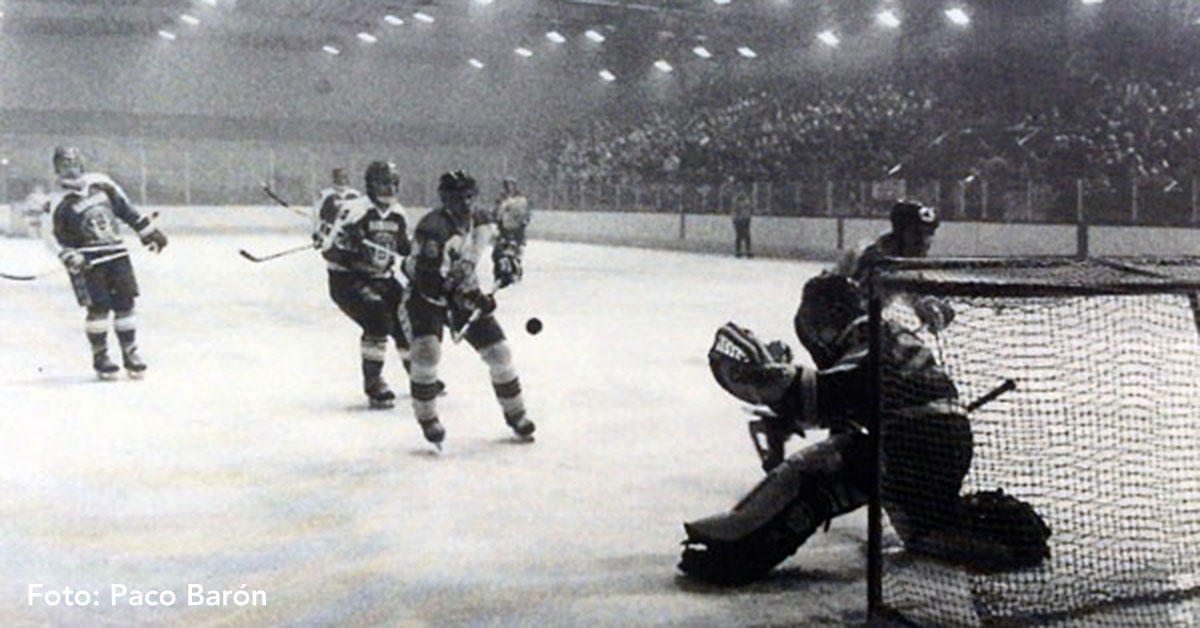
247	455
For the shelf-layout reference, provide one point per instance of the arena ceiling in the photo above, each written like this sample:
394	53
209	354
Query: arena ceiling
310	24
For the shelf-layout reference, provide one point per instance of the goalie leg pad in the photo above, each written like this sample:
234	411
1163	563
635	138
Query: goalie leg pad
995	532
776	516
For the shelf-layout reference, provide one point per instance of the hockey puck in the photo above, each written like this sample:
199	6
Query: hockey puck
533	325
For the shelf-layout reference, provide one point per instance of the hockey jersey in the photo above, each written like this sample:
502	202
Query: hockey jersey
84	214
446	248
366	238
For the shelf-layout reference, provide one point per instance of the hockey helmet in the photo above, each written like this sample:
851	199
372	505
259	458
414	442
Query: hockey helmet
340	177
910	214
456	186
68	162
382	180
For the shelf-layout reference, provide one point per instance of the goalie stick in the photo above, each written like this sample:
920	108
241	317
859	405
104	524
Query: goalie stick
266	188
766	440
95	262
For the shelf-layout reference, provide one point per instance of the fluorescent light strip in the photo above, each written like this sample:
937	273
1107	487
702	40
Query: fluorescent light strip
167	35
958	16
331	50
663	66
702	52
367	38
556	37
421	16
828	38
393	20
888	19
747	51
476	63
594	35
189	19
607	76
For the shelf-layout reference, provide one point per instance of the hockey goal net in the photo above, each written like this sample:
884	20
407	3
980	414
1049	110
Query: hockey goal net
1100	436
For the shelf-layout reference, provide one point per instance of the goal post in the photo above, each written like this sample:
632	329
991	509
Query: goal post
1096	440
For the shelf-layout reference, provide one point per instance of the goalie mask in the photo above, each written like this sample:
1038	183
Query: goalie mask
382	181
829	304
68	162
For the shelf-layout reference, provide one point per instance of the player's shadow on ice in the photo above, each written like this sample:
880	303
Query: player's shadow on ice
471	448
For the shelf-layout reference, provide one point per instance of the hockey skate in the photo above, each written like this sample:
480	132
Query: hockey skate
104	367
521	426
379	394
134	365
434	432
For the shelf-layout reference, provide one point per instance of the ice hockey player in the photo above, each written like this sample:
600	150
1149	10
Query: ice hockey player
330	203
84	210
362	240
512	218
927	447
447	245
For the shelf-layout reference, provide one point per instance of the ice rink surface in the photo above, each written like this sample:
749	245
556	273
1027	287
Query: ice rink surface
247	458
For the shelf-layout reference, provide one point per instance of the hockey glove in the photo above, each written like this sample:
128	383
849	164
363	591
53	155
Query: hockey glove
73	260
152	237
934	313
367	294
476	300
746	368
506	270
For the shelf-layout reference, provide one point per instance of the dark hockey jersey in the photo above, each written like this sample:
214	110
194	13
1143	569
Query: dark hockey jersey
446	248
85	211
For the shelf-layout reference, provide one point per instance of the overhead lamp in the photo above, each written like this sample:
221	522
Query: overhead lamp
189	19
556	37
475	63
167	35
663	66
1092	1
328	49
594	35
393	20
523	52
422	16
722	2
747	51
607	76
367	38
702	52
958	16
828	38
887	18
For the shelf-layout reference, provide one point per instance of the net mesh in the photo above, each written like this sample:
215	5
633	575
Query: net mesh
1099	438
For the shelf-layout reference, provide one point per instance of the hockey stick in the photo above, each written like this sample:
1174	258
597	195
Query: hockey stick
989	396
266	188
270	256
95	262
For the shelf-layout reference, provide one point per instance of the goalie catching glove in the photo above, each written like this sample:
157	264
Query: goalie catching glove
746	368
